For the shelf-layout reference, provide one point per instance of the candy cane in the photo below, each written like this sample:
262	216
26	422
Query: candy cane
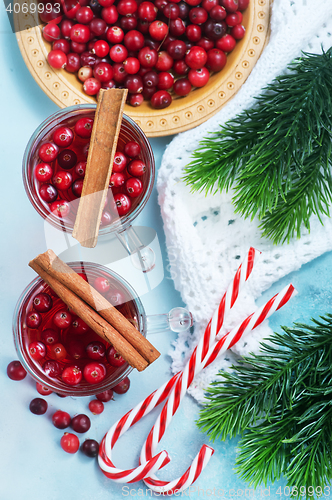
119	428
182	383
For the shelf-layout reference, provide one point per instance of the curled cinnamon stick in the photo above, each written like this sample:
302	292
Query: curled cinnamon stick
92	319
104	139
56	268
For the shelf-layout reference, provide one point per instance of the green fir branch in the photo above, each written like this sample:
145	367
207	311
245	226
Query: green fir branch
280	402
265	151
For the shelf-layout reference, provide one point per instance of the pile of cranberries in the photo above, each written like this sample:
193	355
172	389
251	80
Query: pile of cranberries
60	169
80	423
152	48
64	347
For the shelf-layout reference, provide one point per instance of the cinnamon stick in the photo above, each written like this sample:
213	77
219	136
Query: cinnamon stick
92	319
104	139
56	268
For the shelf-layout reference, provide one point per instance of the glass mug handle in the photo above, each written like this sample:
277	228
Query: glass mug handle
177	320
142	257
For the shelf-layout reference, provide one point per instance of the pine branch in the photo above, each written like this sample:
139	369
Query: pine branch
265	151
280	401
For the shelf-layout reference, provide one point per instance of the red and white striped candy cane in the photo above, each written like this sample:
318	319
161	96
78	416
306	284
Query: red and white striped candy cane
121	426
182	383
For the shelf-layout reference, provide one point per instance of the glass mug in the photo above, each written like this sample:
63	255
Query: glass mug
73	344
113	223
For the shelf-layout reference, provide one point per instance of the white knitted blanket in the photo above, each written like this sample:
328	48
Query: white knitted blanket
206	241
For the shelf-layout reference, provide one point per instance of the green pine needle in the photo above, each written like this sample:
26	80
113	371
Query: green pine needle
280	401
266	151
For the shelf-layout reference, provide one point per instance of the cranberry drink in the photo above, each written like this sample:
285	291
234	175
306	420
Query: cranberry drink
61	349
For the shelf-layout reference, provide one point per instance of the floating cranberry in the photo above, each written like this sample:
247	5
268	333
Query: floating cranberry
37	350
61	419
116	298
42	302
62	319
48	193
33	319
123	203
132	149
38	406
90	448
67	159
43	172
137	168
63	136
83	127
52	368
122	387
57	59
76	349
80	168
72	375
96	350
105	396
114	358
117	180
50	336
94	372
101	284
43	389
15	370
48	152
70	442
106	218
120	162
80	423
79	327
58	351
62	180
77	187
134	187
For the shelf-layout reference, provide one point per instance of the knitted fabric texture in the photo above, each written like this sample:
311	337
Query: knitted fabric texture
205	239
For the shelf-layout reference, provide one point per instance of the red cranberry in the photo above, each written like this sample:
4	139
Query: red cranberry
79	327
106	218
83	127
62	319
80	33
230	5
103	72
233	19
101	284
67	159
69	442
43	389
98	27
131	65
50	15
90	448
198	77
123	203
52	368
238	32
43	172
42	302
57	59
184	10
48	152
116	298
73	63
243	4
15	371
66	26
91	86
134	40
58	351
226	43
63	136
37	350
50	336
96	350
76	349
48	193
122	387
209	4
38	406
158	30
148	57
120	162
147	11
216	60
60	208
134	84
198	15
164	61
128	23
177	49
114	358
61	419
120	73
110	14
115	34
180	67
72	375
94	372
51	32
89	59
171	11
143	26
105	396
132	149
161	99
166	80
62	180
160	4
206	44
193	32
117	180
101	48
33	319
96	407
62	45
136	168
215	29
106	3
177	27
127	7
118	53
77	187
182	86
218	13
148	92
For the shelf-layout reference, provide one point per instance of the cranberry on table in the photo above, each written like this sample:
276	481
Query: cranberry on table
105	396
38	406
15	370
57	59
96	407
61	419
80	423
48	152
63	136
43	389
114	358
94	372
96	350
42	302
72	375
37	350
70	442
48	193
90	448
50	336
67	159
33	319
123	203
43	172
83	127
122	387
